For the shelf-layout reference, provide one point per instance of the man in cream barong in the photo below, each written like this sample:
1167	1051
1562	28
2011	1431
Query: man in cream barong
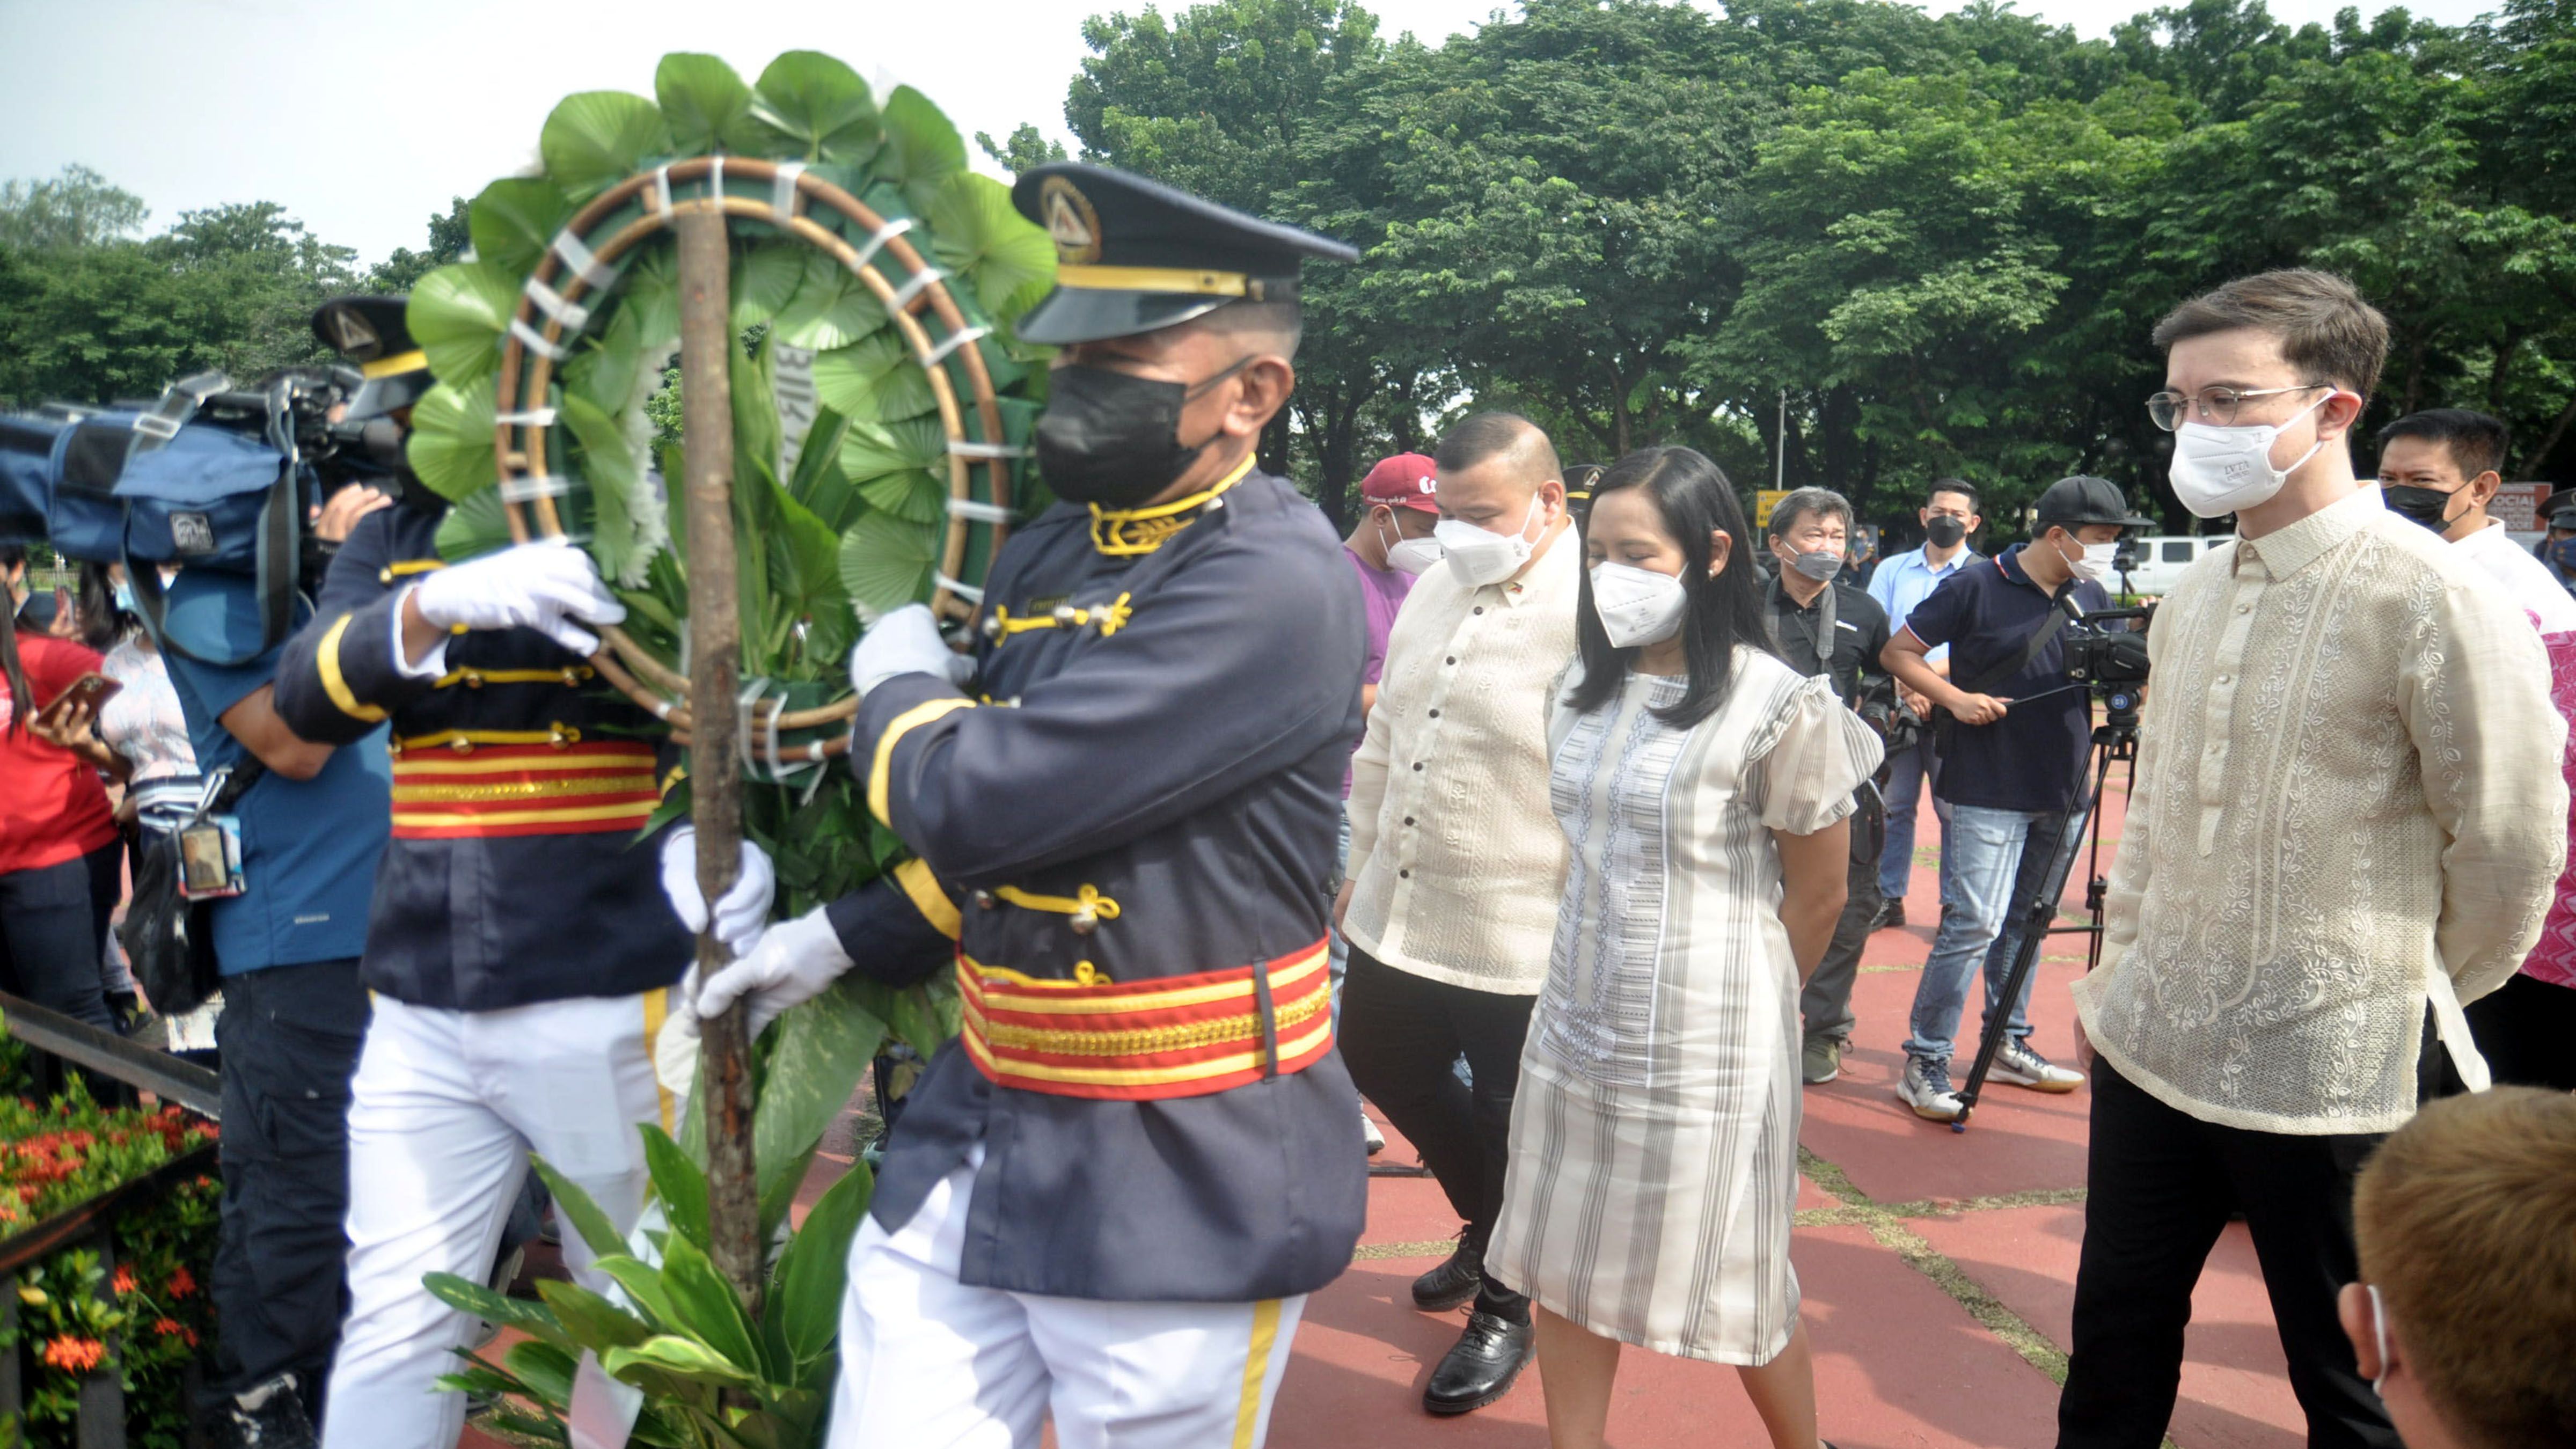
2346	807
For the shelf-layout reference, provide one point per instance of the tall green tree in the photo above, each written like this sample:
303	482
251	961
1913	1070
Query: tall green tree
89	315
1224	100
76	209
1024	148
449	241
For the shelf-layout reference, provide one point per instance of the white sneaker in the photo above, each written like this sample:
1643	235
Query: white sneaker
1376	1140
1926	1088
2022	1067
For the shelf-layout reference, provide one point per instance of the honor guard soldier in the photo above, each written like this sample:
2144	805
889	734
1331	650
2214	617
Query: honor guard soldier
1110	1196
518	949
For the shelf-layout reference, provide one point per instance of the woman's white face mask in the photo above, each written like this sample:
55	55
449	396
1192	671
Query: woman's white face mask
1637	606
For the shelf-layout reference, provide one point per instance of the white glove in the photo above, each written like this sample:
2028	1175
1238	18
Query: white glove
745	906
791	964
905	642
541	586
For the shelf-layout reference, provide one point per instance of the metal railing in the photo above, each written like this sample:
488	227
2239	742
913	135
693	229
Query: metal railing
61	1045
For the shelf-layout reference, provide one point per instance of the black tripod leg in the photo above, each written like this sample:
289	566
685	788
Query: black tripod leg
2037	915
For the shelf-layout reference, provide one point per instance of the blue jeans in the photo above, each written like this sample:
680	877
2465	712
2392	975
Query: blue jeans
1992	862
1907	773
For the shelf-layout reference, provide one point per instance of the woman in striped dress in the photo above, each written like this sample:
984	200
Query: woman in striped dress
1702	785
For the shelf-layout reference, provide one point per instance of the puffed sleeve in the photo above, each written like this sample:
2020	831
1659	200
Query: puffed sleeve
1819	754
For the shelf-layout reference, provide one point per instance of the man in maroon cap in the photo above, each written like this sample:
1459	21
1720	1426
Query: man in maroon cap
1389	546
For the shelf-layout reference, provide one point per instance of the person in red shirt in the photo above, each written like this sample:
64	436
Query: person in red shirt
54	816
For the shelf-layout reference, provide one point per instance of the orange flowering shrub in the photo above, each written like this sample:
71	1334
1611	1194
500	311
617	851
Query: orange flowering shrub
147	1318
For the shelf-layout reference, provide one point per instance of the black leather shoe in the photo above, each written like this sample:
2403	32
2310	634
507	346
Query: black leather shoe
268	1416
1453	1282
1890	915
1489	1355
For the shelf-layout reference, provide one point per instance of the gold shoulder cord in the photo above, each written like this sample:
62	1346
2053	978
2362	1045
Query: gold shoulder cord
1129	532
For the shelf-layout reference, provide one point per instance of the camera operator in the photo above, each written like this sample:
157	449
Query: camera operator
1822	622
2346	805
2012	761
312	824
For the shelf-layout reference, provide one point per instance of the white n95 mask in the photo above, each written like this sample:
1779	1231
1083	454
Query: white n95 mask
2219	470
1412	555
1637	606
1480	556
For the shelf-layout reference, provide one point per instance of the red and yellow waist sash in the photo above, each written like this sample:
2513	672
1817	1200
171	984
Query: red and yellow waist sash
1173	1036
571	789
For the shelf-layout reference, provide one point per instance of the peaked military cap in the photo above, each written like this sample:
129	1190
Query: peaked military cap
1134	255
371	332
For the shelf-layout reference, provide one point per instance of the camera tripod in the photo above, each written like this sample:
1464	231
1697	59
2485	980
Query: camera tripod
2114	740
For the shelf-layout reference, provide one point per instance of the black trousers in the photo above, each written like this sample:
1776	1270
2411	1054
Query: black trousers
1825	1003
52	936
1400	1036
2159	1187
2527	1030
290	1038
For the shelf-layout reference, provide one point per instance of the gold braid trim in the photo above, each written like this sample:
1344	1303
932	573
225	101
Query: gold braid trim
1127	532
1145	1041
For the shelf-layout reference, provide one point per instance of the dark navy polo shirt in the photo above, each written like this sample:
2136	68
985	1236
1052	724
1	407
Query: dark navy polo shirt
309	847
2032	758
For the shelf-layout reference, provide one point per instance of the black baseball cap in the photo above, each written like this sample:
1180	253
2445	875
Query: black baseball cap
2075	501
1134	255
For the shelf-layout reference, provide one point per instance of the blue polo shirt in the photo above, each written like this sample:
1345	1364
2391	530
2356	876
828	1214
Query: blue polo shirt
309	847
2032	758
1908	578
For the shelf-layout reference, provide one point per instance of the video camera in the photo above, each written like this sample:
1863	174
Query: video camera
2111	662
292	409
1884	710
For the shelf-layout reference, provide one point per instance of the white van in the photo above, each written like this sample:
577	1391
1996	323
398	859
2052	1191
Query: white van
2161	558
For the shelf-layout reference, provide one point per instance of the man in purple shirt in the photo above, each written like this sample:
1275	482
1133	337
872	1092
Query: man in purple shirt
1391	544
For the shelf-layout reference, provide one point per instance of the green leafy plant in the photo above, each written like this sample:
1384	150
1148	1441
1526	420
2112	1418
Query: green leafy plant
716	1375
841	492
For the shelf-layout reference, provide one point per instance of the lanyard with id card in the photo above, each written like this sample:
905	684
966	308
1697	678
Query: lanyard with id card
210	844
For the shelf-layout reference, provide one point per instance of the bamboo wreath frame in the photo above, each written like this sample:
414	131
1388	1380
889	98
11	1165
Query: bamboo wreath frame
524	385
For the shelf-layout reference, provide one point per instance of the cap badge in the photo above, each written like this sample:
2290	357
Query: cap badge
354	337
1070	221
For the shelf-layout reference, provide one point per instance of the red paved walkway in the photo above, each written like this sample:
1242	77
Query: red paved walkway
1938	1272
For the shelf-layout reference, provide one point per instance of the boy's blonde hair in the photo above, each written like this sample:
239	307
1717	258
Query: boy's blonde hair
2466	1221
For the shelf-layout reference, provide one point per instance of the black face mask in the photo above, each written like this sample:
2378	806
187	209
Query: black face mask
1944	531
1113	438
2423	505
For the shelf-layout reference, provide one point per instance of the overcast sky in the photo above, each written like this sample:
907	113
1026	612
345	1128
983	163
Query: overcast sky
363	119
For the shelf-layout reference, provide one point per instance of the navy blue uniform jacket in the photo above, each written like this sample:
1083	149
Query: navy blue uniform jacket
1169	729
483	923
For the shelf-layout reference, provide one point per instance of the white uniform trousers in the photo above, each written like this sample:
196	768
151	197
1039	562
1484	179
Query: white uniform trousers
928	1362
445	1109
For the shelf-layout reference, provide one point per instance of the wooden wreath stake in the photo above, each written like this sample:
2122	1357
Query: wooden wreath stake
715	763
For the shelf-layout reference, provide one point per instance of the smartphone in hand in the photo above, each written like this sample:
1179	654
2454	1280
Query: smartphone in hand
90	691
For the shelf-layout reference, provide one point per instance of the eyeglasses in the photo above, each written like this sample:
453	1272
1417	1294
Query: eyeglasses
2217	405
